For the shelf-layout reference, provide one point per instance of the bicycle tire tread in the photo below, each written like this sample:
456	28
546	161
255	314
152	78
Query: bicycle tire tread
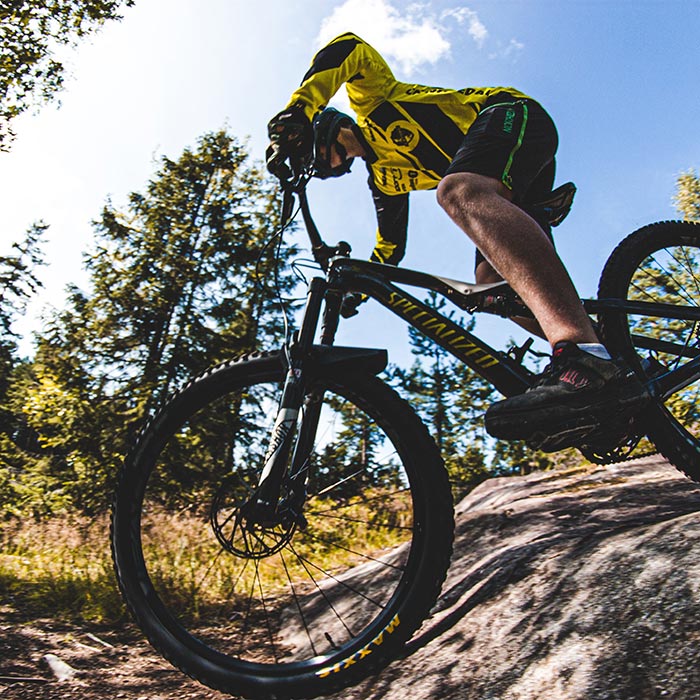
437	557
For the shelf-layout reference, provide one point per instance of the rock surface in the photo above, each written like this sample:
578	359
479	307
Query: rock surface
576	586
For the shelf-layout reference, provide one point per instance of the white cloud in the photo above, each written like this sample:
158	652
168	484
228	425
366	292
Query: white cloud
410	36
514	47
511	50
477	29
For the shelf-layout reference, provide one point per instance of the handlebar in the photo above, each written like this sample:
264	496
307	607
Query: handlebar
294	174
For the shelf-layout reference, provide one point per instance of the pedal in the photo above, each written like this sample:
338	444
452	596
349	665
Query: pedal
518	353
592	440
566	437
606	439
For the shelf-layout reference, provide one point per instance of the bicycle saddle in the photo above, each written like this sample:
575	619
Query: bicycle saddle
556	206
467	288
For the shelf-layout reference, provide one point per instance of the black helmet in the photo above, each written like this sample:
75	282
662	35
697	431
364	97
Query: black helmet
326	126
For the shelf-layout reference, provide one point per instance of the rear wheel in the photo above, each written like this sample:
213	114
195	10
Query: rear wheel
659	263
304	606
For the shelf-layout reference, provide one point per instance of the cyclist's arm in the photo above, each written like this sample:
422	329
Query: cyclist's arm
392	220
346	59
392	226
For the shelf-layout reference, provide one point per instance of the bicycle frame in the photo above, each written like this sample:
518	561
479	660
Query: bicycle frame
375	280
504	371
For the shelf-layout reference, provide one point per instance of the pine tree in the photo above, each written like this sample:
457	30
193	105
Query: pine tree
687	197
18	283
181	279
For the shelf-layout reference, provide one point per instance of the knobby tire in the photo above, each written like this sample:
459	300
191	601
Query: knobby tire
659	263
290	611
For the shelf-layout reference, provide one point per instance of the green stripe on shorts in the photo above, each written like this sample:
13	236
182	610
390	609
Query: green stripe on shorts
506	178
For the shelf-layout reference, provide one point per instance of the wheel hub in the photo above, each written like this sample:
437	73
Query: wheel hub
248	528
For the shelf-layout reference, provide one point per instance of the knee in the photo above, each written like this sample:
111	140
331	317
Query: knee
463	193
454	192
486	274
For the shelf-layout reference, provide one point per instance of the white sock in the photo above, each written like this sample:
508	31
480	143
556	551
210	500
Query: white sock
596	349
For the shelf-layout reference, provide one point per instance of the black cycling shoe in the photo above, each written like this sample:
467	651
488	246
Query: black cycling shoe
577	395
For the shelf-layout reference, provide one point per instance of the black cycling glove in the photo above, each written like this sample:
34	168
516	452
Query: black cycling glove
290	132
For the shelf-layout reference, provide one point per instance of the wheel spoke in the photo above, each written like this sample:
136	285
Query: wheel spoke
344	584
299	586
329	603
298	605
354	552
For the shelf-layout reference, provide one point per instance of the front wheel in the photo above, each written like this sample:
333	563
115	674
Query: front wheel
660	264
299	607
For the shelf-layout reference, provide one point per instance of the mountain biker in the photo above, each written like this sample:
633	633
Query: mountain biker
488	151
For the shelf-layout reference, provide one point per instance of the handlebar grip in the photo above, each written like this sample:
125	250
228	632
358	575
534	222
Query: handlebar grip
276	161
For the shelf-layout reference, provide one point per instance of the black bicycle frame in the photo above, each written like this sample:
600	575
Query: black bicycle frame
505	372
375	280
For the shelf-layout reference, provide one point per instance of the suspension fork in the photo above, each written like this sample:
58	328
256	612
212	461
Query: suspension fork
298	408
313	401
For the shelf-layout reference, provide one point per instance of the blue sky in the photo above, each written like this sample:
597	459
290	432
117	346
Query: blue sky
620	79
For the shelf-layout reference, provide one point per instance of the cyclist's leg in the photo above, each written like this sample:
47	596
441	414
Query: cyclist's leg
484	272
539	190
494	167
519	250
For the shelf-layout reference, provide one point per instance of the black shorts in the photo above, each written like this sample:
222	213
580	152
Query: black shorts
514	141
511	140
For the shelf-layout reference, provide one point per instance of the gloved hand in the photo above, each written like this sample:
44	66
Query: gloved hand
277	163
290	132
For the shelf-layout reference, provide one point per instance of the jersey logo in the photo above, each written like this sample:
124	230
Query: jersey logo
402	137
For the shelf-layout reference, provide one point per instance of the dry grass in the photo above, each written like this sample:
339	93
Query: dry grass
192	574
59	567
62	567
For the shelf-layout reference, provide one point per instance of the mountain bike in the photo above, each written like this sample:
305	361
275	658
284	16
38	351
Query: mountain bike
312	525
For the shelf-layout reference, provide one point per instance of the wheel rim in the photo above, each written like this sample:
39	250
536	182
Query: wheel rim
293	596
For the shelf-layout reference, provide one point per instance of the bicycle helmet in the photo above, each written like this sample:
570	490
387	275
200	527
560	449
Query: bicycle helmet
326	126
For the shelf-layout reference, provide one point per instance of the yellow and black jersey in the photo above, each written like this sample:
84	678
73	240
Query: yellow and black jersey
412	131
